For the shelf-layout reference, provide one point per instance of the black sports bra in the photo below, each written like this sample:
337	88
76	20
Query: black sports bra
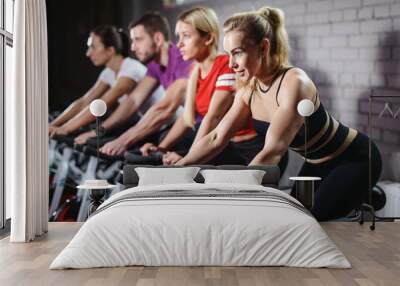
325	135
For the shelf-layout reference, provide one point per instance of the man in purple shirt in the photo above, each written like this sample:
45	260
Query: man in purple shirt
151	44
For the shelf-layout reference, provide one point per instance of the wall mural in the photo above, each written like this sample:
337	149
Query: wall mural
174	101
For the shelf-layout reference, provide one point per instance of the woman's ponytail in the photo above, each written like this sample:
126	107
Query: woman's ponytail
125	43
110	36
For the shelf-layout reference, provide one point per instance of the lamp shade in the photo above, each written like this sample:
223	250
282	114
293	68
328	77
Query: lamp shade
89	41
98	107
305	107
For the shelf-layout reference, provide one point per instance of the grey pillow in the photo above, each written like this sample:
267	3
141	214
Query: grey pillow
163	176
248	177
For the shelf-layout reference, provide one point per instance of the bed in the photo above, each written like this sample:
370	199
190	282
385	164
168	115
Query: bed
201	224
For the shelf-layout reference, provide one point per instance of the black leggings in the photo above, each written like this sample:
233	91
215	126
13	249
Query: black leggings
242	153
345	180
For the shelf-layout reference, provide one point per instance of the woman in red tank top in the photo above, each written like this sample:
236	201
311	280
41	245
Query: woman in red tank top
211	86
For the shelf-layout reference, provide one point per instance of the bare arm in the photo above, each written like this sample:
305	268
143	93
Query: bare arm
138	96
158	115
220	103
286	122
124	85
214	142
95	92
174	135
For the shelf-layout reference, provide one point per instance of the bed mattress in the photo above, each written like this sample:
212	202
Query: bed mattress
201	225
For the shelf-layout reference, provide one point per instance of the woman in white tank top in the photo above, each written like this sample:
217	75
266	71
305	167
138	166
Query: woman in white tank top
110	48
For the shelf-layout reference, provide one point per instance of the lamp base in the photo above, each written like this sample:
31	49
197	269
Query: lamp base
96	199
305	193
305	190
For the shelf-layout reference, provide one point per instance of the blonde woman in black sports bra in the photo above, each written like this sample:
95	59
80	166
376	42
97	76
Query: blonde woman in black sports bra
270	90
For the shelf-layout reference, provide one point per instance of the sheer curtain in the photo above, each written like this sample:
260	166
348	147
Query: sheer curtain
26	123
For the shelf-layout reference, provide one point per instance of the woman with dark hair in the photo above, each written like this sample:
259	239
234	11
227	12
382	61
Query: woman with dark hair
107	47
271	89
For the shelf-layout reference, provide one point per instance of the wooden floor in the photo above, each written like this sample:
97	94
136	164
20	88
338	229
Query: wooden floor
374	255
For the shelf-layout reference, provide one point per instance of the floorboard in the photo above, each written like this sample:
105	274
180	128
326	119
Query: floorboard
374	255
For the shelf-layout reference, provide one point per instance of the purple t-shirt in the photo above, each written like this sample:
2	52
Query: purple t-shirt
177	68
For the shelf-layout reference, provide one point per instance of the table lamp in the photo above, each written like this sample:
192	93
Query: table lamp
305	108
305	185
98	108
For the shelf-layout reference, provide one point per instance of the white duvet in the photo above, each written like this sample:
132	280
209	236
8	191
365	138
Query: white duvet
207	230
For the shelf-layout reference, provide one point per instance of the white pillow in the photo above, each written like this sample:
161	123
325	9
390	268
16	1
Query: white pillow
248	177
163	176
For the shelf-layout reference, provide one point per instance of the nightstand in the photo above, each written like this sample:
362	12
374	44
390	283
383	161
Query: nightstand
97	189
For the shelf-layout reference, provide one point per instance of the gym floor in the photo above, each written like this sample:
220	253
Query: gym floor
374	255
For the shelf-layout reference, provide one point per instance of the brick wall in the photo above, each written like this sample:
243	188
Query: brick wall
350	48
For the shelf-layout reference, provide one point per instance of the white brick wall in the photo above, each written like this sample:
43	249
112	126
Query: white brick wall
381	11
334	42
319	6
395	10
374	26
365	13
345	28
344	4
377	2
364	41
351	49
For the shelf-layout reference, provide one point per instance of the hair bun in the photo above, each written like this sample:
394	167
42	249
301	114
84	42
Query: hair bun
263	12
273	15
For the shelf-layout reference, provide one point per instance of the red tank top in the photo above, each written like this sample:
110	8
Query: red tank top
220	77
